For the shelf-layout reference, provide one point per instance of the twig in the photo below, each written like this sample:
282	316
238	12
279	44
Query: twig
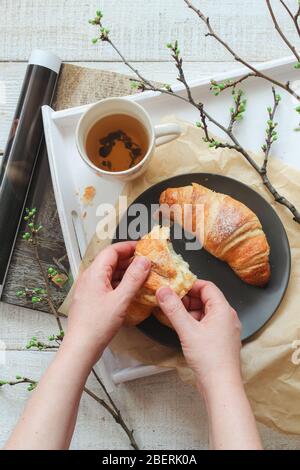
295	17
271	134
104	389
204	125
181	76
58	263
113	409
287	8
296	20
31	236
45	278
218	87
257	73
102	402
22	380
117	417
43	346
40	345
279	30
238	110
115	414
148	86
117	411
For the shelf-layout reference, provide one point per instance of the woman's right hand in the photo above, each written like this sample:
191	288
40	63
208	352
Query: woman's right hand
209	331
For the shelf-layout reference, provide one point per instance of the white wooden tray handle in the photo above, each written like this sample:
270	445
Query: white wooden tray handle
165	133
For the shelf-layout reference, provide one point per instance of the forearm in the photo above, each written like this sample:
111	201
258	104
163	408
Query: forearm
231	421
49	418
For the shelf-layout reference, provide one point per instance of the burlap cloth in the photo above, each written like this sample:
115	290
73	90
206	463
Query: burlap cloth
271	378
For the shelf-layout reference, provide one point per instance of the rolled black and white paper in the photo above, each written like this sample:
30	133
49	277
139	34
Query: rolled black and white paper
22	149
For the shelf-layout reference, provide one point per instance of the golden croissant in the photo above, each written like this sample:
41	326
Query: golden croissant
231	231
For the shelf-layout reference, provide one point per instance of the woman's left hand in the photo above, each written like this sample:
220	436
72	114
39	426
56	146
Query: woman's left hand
102	294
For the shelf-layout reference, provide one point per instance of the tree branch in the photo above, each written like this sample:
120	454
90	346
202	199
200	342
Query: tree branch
237	58
234	144
45	278
279	30
32	237
287	8
18	381
237	111
116	415
295	17
181	75
217	88
271	134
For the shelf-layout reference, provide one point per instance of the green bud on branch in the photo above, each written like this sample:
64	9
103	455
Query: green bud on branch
168	87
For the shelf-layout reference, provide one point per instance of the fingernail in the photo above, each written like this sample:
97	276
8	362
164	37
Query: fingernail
142	262
164	293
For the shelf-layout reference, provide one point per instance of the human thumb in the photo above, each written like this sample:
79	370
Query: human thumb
173	308
133	279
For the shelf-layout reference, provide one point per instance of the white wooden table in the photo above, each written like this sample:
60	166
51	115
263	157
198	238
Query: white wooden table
165	413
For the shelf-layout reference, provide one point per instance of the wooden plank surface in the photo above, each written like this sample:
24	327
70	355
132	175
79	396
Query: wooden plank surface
178	422
141	28
19	325
162	420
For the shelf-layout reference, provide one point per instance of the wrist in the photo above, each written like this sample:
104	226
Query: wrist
82	353
216	380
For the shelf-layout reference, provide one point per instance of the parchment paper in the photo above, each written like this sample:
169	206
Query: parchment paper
272	380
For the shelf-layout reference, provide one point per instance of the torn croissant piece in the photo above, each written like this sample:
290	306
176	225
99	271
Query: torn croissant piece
231	232
137	313
168	269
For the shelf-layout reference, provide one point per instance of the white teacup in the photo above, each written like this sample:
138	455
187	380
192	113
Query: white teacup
111	106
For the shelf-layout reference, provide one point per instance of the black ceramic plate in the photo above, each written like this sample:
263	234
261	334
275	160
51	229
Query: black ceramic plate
254	305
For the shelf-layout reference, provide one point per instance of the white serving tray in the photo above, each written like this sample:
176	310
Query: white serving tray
70	175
